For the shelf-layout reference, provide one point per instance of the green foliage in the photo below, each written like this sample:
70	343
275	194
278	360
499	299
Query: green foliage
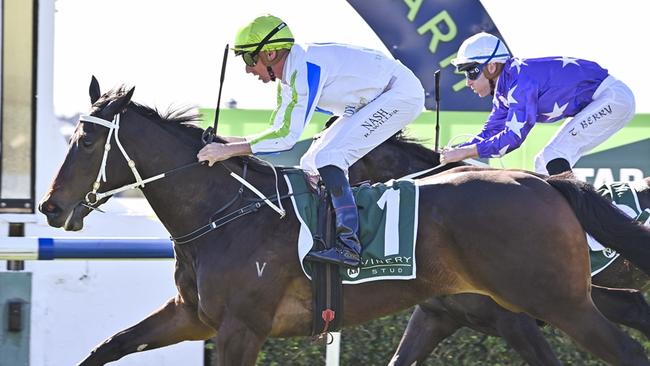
292	351
374	343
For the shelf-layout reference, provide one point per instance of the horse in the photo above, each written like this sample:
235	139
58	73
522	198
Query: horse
221	289
439	317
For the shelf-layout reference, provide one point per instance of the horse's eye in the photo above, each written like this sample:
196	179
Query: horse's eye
87	142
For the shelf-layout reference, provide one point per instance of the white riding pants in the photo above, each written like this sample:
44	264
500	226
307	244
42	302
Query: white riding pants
611	109
351	137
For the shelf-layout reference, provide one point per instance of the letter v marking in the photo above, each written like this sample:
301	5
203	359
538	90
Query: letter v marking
260	270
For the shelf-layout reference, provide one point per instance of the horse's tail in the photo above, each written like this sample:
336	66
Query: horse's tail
606	223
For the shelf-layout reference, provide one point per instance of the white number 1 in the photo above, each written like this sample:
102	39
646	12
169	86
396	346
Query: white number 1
390	200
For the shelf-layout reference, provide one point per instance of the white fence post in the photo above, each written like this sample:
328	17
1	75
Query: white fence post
333	350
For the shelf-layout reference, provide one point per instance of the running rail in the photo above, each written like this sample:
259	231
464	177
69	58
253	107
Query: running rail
27	248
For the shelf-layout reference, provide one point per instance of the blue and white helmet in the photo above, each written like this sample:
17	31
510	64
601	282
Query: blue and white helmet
481	48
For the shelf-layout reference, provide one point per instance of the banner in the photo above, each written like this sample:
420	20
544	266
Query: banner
625	163
425	35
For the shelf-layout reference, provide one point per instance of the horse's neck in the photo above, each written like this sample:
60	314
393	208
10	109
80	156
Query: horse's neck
185	199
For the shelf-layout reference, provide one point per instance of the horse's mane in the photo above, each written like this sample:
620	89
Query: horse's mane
413	146
182	119
182	115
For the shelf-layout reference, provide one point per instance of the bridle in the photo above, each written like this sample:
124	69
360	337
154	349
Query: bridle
93	196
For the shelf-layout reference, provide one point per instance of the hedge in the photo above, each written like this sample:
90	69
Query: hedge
373	343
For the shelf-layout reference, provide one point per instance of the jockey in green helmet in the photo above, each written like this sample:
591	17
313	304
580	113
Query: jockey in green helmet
374	95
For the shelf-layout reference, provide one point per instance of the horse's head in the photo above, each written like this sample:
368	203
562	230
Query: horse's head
71	195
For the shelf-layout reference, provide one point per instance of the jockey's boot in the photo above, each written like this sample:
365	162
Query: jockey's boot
347	250
559	166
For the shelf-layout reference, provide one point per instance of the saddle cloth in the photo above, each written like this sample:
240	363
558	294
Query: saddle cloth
624	196
388	223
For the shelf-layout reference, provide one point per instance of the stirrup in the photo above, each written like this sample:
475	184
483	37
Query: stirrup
341	257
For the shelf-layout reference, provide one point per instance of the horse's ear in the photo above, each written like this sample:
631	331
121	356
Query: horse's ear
128	95
94	90
124	100
119	104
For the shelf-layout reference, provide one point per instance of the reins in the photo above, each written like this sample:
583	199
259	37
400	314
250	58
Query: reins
429	171
232	216
243	211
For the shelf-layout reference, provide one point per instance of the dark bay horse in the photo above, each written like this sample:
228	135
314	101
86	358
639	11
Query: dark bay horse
520	263
440	317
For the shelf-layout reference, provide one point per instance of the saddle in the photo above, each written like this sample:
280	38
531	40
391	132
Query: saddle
387	226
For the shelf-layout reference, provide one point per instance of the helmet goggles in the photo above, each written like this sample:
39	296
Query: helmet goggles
473	70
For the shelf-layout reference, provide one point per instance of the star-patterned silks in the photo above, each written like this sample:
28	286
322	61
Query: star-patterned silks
514	125
567	61
556	112
539	90
502	152
518	63
511	99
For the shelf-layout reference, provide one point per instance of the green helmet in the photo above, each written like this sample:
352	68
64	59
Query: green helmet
265	33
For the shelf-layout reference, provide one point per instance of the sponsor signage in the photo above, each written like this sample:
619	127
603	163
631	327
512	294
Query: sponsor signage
425	35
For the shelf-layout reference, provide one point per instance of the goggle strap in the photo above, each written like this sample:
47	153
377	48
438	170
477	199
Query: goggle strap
266	40
493	52
277	40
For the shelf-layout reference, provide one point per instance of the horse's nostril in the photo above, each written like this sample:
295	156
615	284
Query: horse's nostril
48	207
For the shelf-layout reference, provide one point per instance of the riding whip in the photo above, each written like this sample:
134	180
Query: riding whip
436	76
210	133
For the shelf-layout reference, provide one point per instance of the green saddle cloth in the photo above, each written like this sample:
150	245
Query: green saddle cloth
624	196
387	228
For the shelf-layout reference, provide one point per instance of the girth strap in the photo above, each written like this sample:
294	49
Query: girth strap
217	223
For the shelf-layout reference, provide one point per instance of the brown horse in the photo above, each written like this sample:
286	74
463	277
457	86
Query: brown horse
440	317
494	248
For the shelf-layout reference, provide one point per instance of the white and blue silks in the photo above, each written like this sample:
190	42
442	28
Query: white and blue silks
374	95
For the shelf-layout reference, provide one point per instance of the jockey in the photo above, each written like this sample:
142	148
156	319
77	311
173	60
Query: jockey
544	90
374	95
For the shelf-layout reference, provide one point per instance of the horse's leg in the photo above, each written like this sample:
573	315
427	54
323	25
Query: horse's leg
439	317
596	334
519	330
522	333
623	306
173	323
426	328
237	344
